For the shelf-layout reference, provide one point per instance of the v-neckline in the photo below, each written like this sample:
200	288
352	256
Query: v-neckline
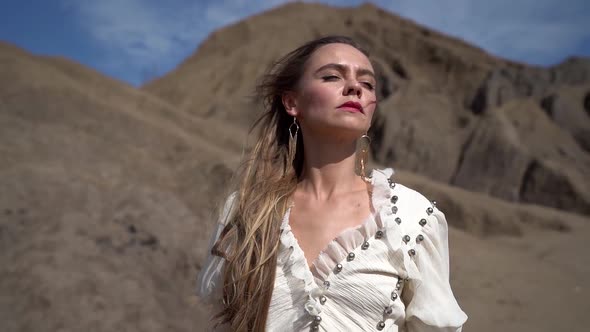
368	219
371	218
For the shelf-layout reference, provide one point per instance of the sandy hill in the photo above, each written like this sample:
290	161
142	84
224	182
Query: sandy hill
101	185
107	192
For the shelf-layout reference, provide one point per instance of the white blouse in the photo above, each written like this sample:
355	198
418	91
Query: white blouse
391	273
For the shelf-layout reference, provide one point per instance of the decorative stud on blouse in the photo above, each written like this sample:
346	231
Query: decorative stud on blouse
394	199
365	245
350	256
411	252
380	325
394	209
327	284
316	323
398	220
323	299
379	234
406	238
419	238
422	222
391	183
393	296
388	311
338	267
429	210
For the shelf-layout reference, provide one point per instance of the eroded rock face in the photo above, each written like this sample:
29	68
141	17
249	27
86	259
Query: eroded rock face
569	108
573	71
407	126
507	82
493	159
544	183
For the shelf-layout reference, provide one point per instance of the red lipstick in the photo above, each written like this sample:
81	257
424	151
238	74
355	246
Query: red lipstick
352	106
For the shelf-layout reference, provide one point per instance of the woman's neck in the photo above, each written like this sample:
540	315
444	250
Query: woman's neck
328	169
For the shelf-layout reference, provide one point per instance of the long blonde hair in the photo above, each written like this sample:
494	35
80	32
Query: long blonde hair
268	177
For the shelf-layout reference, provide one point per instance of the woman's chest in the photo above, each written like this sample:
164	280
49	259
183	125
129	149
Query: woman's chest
363	293
316	226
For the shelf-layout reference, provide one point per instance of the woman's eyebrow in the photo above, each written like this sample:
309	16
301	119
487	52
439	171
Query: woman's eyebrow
343	68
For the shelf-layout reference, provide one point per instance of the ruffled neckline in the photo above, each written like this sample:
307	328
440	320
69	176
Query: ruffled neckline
339	247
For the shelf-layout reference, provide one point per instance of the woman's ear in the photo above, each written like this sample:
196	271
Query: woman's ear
289	103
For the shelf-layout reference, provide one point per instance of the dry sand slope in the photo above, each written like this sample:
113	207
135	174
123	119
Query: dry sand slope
108	193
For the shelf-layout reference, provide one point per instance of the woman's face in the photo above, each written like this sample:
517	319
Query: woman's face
335	97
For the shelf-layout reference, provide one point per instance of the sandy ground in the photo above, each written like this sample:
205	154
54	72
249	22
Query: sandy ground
537	282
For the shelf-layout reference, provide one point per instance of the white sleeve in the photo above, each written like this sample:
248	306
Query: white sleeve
430	303
210	277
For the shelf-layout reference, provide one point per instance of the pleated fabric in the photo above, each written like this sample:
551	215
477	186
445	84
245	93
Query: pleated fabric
391	273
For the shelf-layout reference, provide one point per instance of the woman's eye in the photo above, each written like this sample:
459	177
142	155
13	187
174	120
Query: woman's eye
369	85
330	78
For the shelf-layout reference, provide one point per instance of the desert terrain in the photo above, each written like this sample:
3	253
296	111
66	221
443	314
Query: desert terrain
108	192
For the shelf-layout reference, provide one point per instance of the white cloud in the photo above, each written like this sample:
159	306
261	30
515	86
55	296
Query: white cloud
137	33
152	35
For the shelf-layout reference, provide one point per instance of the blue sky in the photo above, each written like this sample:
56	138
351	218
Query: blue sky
134	40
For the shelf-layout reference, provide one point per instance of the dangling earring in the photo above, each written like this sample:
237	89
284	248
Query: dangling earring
363	145
293	130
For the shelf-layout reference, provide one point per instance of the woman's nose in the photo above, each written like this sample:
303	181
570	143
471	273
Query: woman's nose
353	88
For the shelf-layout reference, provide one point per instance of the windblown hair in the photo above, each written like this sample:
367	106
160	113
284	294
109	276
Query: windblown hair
268	177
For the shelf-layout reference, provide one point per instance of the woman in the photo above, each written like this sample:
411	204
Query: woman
307	244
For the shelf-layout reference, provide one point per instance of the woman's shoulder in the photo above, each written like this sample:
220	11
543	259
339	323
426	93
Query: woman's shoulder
413	200
401	195
411	209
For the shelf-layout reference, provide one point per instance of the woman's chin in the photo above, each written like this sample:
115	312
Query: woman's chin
347	133
354	128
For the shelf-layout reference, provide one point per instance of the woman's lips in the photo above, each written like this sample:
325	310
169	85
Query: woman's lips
352	106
